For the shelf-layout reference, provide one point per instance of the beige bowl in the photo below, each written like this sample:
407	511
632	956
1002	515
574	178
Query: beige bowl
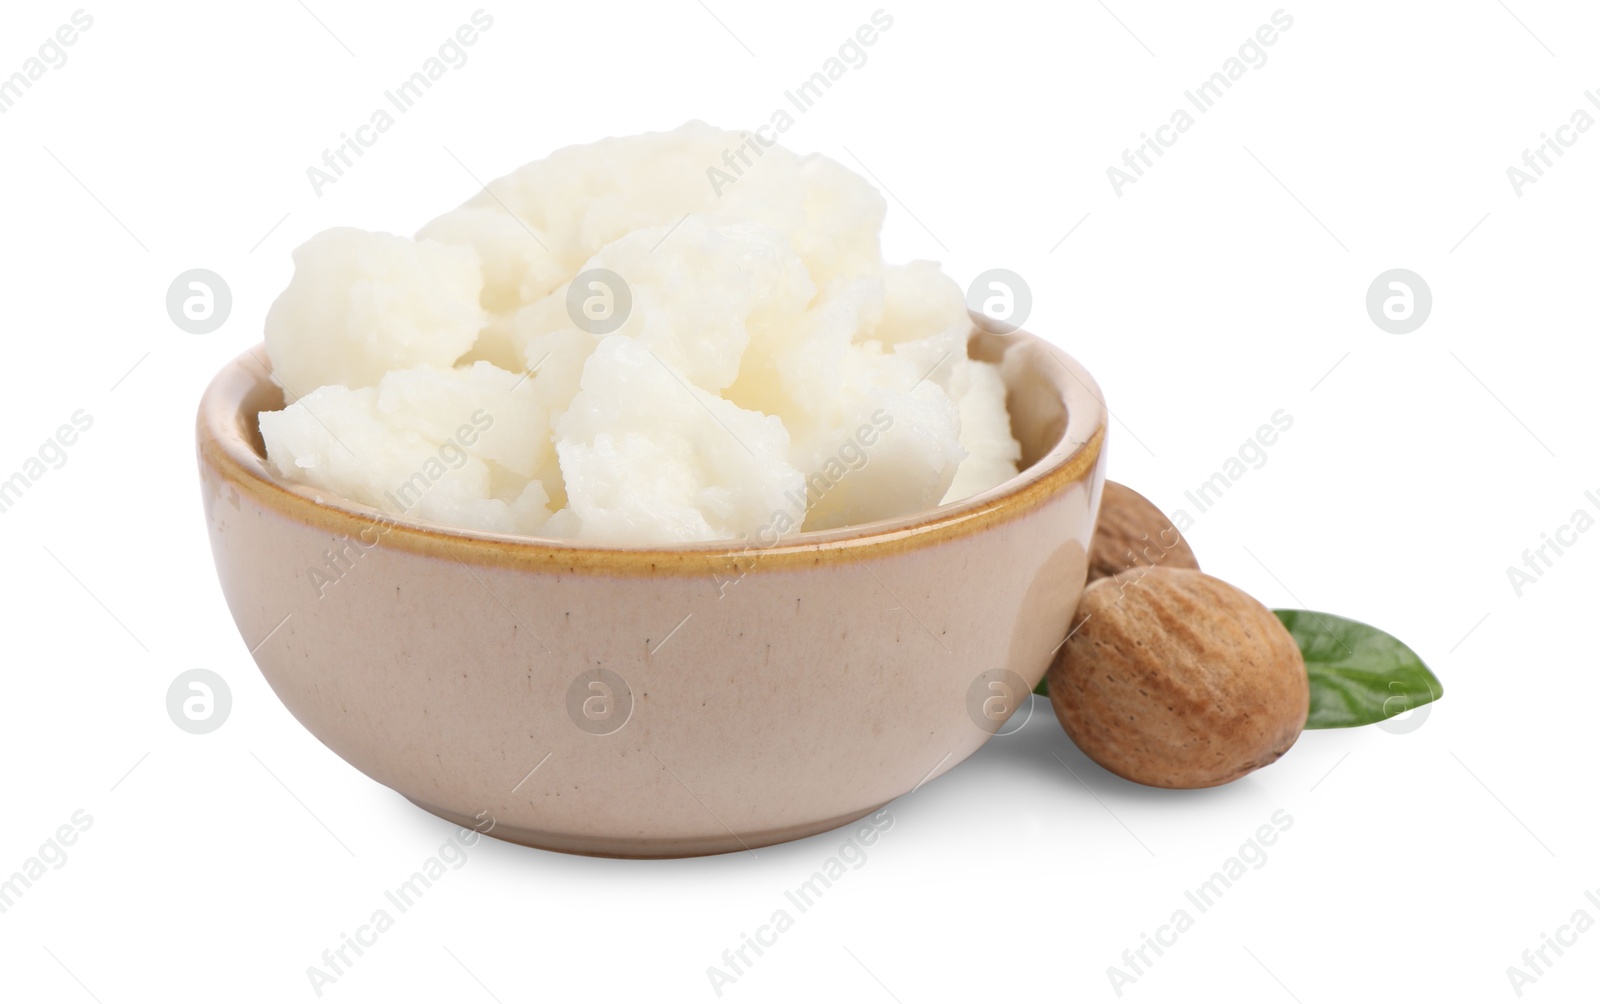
657	703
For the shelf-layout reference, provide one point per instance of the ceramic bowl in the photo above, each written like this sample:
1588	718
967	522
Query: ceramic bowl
658	702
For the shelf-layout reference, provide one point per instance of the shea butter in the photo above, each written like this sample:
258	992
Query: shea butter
606	347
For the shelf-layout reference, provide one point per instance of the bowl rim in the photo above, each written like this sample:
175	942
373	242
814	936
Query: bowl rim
223	450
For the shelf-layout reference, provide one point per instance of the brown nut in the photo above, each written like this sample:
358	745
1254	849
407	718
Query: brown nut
1131	533
1178	680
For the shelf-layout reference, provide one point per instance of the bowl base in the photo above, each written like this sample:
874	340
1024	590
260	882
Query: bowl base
647	847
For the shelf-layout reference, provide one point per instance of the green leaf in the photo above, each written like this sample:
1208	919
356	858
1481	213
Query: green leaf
1359	674
1043	689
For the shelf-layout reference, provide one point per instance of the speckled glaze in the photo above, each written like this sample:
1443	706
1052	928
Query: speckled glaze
656	702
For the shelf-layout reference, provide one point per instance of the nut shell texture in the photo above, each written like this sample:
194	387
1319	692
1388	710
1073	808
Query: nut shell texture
1131	532
1178	680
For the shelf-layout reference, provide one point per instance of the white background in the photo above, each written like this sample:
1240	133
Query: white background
1226	284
